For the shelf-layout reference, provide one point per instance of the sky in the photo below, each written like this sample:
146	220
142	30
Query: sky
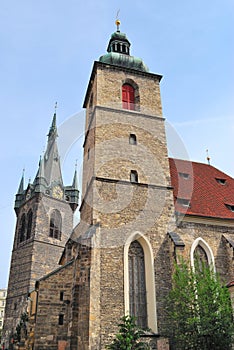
47	52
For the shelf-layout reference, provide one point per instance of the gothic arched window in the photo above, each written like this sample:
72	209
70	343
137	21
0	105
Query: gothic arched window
128	97
29	224
201	254
137	284
200	257
55	224
22	228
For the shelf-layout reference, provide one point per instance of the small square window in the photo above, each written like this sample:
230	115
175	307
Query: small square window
132	139
134	176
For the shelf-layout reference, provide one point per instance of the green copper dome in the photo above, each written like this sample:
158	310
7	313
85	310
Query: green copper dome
119	53
122	60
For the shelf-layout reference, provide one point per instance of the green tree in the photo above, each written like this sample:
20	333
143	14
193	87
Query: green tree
199	310
128	337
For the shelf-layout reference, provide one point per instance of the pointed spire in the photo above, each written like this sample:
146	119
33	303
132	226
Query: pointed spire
21	185
53	128
19	198
41	167
75	181
51	160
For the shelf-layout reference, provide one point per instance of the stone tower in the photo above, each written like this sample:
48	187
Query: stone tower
127	201
44	213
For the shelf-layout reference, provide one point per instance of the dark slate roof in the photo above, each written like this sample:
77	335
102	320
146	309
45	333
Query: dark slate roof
176	239
201	189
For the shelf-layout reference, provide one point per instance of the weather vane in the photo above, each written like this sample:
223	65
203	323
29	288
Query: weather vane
117	22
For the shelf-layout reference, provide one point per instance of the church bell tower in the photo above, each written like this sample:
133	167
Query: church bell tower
126	198
44	211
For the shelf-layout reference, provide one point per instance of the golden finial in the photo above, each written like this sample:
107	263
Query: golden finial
117	22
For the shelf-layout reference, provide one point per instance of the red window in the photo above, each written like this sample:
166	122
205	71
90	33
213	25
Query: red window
128	97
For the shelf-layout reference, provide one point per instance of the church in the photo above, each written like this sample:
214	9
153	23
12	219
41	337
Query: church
139	212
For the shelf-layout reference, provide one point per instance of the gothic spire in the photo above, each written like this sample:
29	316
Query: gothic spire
53	128
51	161
20	194
21	185
75	181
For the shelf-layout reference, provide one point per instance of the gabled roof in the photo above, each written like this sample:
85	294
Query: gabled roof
201	189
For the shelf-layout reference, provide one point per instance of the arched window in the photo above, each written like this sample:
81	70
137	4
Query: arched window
22	228
132	139
200	257
128	97
55	224
134	176
137	284
29	224
202	254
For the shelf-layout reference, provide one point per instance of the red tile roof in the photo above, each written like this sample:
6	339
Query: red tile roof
201	189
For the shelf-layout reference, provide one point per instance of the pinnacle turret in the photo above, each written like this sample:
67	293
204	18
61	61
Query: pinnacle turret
21	185
72	192
75	181
40	181
20	193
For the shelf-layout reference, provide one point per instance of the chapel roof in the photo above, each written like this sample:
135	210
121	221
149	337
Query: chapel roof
201	189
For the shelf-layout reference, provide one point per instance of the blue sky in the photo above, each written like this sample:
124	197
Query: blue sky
47	51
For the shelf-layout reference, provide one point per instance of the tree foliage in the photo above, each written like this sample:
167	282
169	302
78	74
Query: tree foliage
128	337
199	310
21	328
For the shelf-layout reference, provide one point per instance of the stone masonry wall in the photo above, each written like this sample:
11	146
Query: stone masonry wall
35	257
48	332
213	235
